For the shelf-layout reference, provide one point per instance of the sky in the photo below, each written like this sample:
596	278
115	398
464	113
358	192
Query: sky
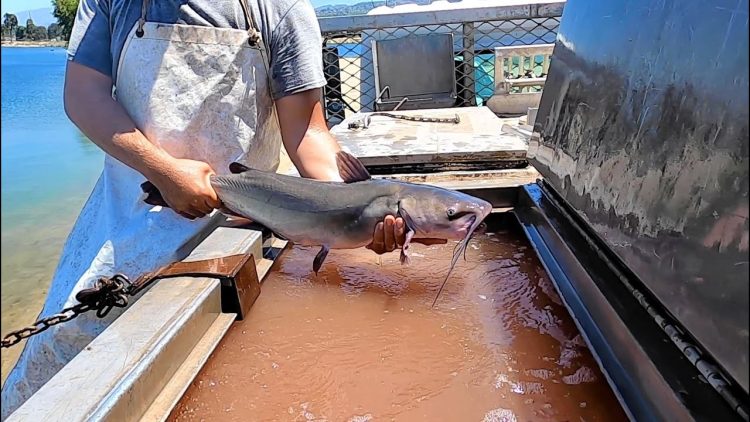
318	3
20	5
13	6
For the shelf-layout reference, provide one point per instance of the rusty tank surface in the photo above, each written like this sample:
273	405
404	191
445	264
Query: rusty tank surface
359	342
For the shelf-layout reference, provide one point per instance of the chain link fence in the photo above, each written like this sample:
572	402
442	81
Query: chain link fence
348	56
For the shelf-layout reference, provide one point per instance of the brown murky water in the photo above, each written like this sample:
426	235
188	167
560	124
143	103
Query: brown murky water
360	342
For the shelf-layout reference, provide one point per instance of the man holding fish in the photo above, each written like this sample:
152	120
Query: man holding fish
202	88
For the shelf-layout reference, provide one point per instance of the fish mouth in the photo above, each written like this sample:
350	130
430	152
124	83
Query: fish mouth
465	223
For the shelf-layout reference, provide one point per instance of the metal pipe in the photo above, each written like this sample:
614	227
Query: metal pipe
469	92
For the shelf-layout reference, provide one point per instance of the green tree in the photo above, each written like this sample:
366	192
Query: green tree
38	33
65	12
29	25
20	32
10	23
53	31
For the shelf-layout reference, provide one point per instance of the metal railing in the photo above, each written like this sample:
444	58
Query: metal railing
520	75
348	58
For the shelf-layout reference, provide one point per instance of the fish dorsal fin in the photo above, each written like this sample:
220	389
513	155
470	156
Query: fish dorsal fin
236	168
350	168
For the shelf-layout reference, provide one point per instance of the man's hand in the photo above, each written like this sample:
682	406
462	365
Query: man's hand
390	234
185	186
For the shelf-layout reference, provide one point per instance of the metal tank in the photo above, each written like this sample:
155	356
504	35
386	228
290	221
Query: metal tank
642	135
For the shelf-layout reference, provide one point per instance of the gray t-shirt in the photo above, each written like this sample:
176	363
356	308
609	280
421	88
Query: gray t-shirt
289	27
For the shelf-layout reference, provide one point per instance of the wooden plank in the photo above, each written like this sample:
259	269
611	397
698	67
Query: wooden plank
472	179
387	141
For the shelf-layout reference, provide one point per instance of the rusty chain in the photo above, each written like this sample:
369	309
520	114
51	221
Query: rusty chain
364	123
106	294
455	120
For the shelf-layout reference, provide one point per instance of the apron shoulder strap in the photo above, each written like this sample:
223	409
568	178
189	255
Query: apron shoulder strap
252	29
142	19
254	37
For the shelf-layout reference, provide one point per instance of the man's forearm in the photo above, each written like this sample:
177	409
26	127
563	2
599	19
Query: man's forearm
106	123
310	146
315	156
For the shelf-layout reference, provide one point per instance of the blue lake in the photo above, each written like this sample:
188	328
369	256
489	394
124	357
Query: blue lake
48	170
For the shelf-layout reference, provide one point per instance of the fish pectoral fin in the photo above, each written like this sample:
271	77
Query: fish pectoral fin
350	168
237	168
152	196
410	232
404	258
320	258
226	211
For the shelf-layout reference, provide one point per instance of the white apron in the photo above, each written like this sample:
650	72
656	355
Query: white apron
201	93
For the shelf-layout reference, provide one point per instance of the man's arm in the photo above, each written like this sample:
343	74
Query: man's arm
184	184
89	104
307	140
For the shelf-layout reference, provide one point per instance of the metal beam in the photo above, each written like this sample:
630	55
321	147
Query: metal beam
440	17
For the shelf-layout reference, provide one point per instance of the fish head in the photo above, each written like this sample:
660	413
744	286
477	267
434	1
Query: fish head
444	214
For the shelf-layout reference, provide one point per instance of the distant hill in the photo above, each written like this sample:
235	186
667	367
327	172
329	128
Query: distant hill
41	17
360	8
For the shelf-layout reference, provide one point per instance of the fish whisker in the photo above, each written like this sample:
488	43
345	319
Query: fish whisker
458	250
454	260
469	239
456	247
442	286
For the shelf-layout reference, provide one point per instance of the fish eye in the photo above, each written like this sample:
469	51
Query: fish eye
451	212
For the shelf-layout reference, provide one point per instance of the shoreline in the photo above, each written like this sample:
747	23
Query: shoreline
35	44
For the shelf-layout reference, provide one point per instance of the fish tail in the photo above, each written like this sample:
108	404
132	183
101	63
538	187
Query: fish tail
152	196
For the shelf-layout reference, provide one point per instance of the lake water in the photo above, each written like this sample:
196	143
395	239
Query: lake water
48	170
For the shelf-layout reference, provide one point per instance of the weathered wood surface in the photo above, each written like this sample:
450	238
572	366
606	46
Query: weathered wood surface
471	179
478	137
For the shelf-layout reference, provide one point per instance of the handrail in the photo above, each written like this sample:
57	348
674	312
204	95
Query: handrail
440	17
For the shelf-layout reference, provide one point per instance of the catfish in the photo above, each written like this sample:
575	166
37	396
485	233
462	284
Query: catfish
343	215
